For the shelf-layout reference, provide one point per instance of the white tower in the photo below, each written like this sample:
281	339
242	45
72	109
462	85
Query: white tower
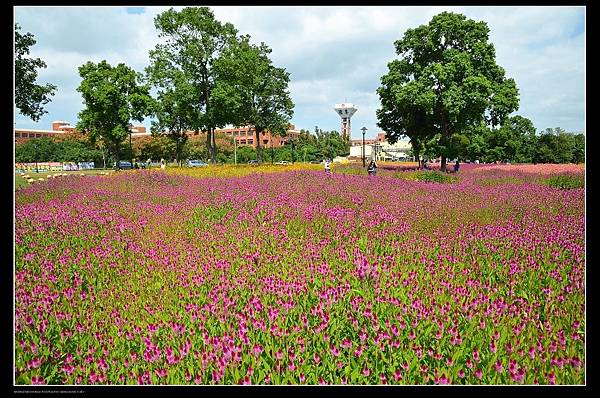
345	111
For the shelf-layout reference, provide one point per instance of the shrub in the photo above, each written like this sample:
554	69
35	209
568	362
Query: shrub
430	176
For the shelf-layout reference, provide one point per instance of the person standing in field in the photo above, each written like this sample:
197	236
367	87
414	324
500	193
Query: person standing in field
327	166
162	164
372	169
456	166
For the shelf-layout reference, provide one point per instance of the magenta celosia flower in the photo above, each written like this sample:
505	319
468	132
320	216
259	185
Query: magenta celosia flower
37	380
334	351
476	355
397	375
257	349
185	282
383	378
498	366
161	372
443	379
316	359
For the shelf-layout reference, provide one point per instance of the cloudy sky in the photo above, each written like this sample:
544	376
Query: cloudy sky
333	54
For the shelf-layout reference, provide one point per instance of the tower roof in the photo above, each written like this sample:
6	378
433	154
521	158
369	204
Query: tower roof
345	109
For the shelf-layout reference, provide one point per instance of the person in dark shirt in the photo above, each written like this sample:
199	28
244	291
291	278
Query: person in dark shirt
372	169
456	166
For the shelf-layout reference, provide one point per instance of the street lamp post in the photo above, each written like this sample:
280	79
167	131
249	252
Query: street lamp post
364	129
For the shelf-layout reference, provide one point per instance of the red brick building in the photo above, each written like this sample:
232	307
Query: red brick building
244	136
370	141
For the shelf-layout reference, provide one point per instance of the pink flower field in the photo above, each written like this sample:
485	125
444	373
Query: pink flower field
298	277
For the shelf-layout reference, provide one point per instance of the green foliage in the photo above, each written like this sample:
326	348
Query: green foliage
155	148
559	147
565	181
29	96
249	90
514	141
182	69
245	154
112	97
578	148
46	150
446	82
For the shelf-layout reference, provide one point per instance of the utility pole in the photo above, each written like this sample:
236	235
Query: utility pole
234	151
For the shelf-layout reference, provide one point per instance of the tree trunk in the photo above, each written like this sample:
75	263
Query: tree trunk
117	156
258	149
445	141
214	145
208	143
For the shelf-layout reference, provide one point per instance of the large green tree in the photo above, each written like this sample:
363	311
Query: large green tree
182	70
578	148
556	146
113	97
250	90
513	141
446	82
29	96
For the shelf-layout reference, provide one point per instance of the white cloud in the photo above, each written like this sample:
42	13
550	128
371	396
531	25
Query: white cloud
332	53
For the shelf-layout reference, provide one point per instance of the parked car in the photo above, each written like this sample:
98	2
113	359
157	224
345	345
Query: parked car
253	162
123	165
283	162
196	163
315	162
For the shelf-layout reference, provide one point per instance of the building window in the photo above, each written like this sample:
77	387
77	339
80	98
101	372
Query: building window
250	141
243	142
265	142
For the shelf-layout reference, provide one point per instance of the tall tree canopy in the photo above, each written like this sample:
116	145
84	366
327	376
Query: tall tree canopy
250	90
446	82
29	96
182	70
112	97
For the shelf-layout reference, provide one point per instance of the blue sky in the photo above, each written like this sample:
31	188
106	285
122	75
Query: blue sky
333	54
